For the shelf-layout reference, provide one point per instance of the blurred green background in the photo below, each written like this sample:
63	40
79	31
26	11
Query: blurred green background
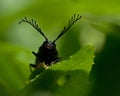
100	26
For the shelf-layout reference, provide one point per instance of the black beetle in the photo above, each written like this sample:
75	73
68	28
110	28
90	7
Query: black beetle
47	52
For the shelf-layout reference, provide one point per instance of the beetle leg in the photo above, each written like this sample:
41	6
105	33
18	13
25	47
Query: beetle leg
55	61
32	65
35	54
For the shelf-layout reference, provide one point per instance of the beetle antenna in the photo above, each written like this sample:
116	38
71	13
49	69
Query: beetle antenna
35	25
70	23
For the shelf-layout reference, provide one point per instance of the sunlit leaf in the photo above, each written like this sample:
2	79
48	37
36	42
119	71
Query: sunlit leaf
67	78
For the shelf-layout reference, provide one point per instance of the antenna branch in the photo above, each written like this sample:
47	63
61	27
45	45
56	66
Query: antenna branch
73	19
35	25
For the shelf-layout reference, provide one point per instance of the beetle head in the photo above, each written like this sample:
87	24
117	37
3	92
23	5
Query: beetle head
49	45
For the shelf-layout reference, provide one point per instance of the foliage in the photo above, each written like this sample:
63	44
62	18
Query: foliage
61	78
14	70
99	26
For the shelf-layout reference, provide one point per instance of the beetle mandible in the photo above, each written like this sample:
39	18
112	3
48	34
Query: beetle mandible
47	52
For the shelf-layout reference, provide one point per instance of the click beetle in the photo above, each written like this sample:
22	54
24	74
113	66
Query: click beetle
47	52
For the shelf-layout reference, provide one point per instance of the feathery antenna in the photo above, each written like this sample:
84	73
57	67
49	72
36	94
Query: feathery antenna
34	24
70	23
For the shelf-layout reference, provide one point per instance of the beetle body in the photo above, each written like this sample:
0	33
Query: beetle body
47	53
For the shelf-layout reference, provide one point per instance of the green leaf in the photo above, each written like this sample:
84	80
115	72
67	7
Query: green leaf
67	78
14	69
